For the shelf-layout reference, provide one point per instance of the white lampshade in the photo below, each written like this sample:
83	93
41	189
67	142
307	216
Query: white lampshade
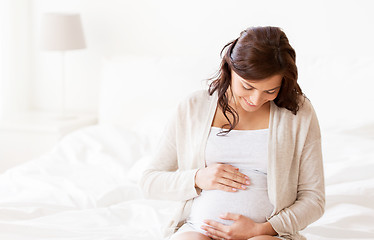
61	32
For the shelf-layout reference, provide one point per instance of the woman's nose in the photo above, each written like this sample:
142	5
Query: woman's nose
256	98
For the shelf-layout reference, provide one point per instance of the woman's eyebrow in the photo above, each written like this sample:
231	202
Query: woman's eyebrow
256	88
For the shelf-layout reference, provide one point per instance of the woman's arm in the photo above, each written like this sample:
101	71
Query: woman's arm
162	178
308	186
267	229
310	203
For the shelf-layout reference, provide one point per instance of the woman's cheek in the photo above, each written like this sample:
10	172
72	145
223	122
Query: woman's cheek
273	97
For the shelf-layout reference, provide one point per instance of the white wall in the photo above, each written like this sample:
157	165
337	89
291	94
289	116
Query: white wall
16	55
341	29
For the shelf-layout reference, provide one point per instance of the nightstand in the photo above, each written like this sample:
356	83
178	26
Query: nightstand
26	136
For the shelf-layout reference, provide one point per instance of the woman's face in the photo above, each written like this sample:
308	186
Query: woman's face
252	95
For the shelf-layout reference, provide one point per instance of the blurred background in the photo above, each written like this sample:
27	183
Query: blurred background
333	41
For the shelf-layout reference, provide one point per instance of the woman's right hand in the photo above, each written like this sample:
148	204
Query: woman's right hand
221	177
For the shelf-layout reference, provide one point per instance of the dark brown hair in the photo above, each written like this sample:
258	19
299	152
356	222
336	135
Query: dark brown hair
258	53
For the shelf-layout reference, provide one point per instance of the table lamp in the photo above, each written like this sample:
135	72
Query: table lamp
62	32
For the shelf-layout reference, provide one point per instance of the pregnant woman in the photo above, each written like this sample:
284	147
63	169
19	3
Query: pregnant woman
243	157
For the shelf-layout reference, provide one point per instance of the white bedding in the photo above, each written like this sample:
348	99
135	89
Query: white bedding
86	189
349	168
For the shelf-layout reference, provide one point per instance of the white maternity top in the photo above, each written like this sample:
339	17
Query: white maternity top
248	151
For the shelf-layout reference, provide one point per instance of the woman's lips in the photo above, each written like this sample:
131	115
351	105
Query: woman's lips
249	103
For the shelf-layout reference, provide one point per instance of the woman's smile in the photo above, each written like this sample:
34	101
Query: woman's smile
249	103
253	94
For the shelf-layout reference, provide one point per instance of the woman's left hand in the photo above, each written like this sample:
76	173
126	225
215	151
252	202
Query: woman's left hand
242	228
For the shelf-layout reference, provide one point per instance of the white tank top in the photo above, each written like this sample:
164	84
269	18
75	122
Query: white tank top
246	150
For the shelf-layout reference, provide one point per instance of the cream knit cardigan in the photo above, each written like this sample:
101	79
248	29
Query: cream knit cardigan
295	171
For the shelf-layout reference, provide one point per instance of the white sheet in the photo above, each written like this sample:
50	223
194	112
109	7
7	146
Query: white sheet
81	190
86	189
349	168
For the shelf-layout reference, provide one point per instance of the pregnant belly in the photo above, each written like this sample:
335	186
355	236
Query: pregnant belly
252	202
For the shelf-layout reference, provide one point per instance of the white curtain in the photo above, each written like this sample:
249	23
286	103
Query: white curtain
15	55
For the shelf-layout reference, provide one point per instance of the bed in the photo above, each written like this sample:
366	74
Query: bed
86	186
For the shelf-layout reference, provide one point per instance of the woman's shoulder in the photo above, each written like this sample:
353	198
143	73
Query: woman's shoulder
305	114
198	98
302	123
305	107
199	95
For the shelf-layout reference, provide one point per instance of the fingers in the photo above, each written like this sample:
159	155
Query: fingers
216	225
215	230
222	177
223	187
234	174
230	216
229	184
218	230
215	237
232	178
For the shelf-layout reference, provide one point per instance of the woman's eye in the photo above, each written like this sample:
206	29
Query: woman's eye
247	88
268	92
